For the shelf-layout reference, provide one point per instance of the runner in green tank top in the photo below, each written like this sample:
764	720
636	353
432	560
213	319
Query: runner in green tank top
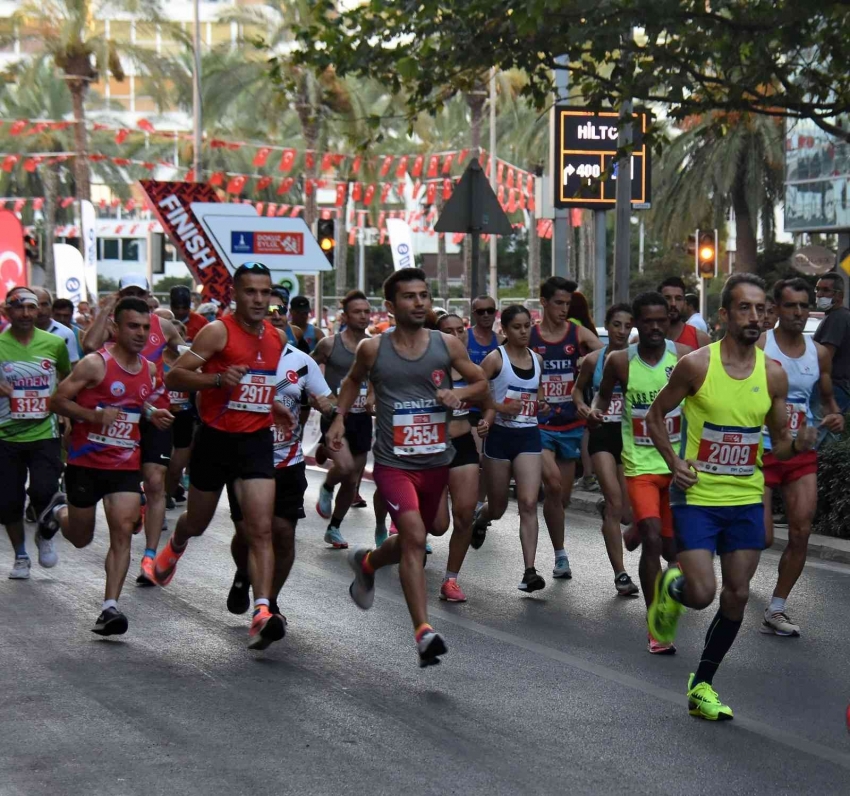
730	389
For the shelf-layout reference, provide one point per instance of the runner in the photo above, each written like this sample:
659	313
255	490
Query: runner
807	365
642	371
770	314
299	312
296	373
463	478
180	301
512	438
410	370
30	361
105	396
673	290
336	355
239	355
729	389
46	323
561	344
605	444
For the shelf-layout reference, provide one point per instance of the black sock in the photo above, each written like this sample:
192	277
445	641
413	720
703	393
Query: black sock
336	522
721	634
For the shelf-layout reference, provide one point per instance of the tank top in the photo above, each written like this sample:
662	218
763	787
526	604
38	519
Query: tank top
723	425
615	405
688	337
640	456
178	401
477	352
117	447
560	365
336	369
803	374
152	352
411	429
246	407
507	384
310	336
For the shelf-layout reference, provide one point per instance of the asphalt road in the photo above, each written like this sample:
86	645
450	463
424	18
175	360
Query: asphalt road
549	693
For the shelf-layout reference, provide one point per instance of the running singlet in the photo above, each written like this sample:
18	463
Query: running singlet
615	405
116	447
723	423
247	406
640	457
803	374
336	369
296	372
508	385
153	353
477	352
688	337
178	401
560	366
412	425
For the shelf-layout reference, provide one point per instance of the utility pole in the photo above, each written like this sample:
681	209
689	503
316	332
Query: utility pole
197	112
560	226
600	277
494	251
623	209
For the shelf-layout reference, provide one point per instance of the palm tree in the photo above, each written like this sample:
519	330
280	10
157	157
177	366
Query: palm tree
717	163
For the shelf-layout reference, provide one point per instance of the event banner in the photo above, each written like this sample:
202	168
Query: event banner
70	273
88	220
13	268
401	242
171	202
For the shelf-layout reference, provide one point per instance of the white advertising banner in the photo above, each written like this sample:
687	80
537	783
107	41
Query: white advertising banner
87	228
70	273
401	242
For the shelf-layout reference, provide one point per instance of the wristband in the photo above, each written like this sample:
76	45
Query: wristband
218	380
148	412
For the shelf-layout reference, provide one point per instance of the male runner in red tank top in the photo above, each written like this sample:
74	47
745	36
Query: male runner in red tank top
232	366
673	289
106	395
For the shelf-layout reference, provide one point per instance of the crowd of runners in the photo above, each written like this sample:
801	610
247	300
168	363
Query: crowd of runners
688	439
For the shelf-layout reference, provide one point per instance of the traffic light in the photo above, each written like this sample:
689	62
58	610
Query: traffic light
706	253
326	237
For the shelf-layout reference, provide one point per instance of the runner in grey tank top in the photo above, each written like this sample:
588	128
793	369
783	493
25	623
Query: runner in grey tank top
338	363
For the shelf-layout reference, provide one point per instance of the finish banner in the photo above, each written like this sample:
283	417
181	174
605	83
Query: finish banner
171	202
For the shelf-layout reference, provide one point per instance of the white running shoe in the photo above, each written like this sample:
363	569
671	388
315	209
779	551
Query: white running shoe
778	624
47	556
325	503
562	568
21	568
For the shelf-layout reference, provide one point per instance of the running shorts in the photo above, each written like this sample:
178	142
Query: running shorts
465	451
183	428
720	529
290	486
506	444
86	486
219	457
411	490
565	445
42	460
606	438
777	473
156	444
358	431
650	499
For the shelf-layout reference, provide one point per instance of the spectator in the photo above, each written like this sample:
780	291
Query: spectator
180	301
208	310
44	321
63	312
834	333
693	315
84	316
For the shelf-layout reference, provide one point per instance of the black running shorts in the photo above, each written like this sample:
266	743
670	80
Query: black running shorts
290	486
86	486
219	457
358	431
465	451
607	438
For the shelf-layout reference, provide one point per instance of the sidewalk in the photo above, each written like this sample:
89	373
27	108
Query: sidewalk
827	548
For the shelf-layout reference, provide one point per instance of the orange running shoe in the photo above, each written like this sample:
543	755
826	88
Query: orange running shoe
659	648
166	564
146	576
451	592
266	628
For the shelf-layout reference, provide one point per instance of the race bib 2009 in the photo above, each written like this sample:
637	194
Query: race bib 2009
728	450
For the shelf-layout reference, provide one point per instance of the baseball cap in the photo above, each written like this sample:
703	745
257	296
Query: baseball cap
180	294
300	303
134	280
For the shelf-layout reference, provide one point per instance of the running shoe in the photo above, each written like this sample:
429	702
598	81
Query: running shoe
428	549
778	624
631	538
657	648
430	646
180	493
111	622
358	502
479	530
325	503
451	592
562	568
21	568
664	612
362	589
238	599
146	577
590	483
531	581
169	503
266	628
381	535
625	586
29	513
704	702
47	522
333	537
166	564
47	557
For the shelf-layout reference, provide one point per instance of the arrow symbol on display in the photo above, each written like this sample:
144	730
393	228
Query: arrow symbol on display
570	170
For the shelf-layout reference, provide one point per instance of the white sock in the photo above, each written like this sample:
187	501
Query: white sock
450	575
261	601
777	605
560	554
109	604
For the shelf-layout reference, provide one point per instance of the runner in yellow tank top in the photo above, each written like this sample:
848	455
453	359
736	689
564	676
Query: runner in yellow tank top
730	389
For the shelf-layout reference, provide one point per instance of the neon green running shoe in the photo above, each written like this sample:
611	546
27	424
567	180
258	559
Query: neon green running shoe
664	612
704	702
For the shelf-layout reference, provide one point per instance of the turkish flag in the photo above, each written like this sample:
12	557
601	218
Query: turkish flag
121	135
355	166
327	161
66	202
309	187
457	238
190	176
386	165
285	186
259	208
511	200
416	171
531	203
529	185
370	194
521	200
217	179
382	219
400	190
283	210
510	177
144	124
287	160
261	157
38	203
500	194
340	194
416	186
310	159
447	190
121	161
385	192
270	209
130	205
462	156
433	166
401	170
13	270
18	127
352	236
447	163
263	183
296	211
431	193
357	192
19	205
217	143
9	162
500	173
30	164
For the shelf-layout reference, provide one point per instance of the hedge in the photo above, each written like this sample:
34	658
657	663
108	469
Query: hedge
833	515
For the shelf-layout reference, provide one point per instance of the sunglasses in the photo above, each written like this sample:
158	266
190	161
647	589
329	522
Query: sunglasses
255	268
486	311
277	309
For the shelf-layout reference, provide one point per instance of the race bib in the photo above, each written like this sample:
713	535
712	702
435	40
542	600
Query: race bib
418	432
557	388
123	433
254	393
641	434
728	450
179	400
528	400
615	409
29	403
359	405
796	417
282	437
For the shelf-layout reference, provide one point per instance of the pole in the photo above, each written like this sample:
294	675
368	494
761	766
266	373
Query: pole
361	260
494	251
197	111
600	274
476	265
623	209
640	245
560	227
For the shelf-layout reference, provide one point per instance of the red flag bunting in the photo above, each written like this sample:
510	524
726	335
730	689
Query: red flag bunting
144	124
237	184
340	194
447	190
19	205
296	211
500	173
263	183
285	186
385	192
30	164
327	161
287	160
38	203
531	203
283	210
352	236
500	194
431	193
217	143
447	163
433	166
217	179
418	163
457	238
521	200
416	186
355	166
529	185
190	176
382	219
121	161
259	208
510	177
18	127
357	191
66	202
261	157
309	187
370	194
386	165
511	200
9	162
130	205
270	209
310	160
401	170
